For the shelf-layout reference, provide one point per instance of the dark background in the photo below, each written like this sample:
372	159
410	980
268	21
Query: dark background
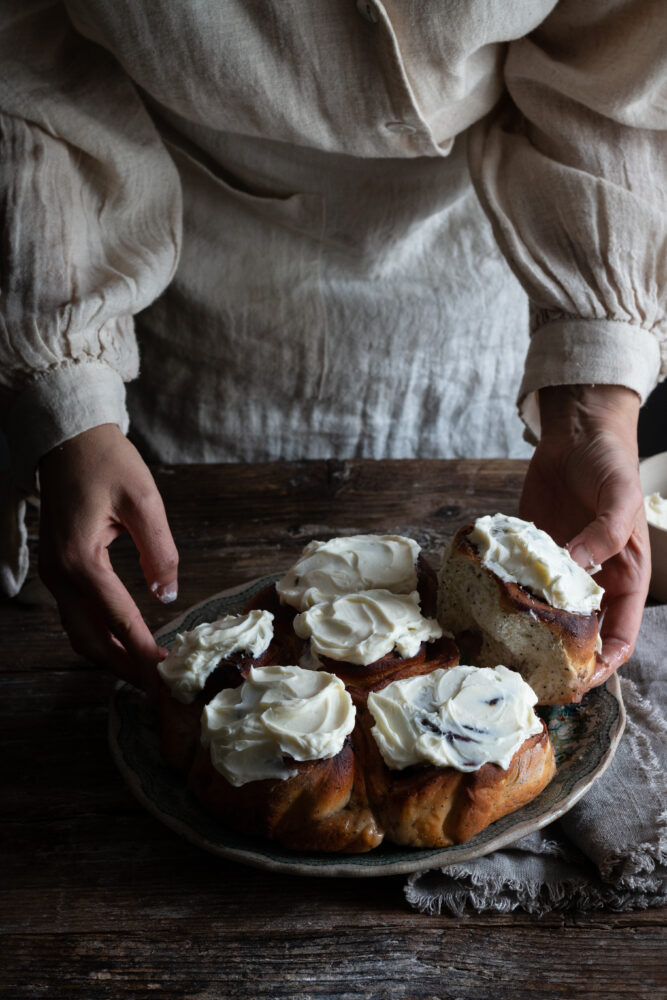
653	422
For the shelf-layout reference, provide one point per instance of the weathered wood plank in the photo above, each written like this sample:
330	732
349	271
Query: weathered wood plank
100	900
122	870
434	964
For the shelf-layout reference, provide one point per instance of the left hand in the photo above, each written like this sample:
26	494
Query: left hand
582	487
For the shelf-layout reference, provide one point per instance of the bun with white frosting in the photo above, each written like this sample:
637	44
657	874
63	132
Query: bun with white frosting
277	761
201	663
437	807
496	619
439	769
323	807
353	563
373	637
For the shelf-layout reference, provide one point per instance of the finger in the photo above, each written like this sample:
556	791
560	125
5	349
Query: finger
95	605
122	618
84	579
602	672
620	628
608	533
624	608
91	640
90	637
146	520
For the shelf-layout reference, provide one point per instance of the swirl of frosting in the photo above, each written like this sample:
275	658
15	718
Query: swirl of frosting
348	565
461	717
277	712
195	654
518	552
361	628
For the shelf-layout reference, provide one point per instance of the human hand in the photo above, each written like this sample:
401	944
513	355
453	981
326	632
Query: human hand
582	487
94	487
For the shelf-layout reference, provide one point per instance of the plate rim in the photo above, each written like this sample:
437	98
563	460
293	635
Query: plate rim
359	865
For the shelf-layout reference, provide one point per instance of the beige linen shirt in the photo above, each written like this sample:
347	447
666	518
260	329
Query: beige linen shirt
282	194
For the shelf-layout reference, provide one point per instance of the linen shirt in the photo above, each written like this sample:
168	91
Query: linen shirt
282	195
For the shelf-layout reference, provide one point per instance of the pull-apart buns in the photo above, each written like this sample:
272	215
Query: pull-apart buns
277	760
448	754
201	663
296	753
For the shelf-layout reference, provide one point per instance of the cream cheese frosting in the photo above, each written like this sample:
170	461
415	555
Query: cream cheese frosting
277	712
195	654
519	552
655	506
361	628
348	565
461	717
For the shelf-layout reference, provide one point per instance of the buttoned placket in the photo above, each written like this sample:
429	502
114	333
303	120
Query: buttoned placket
367	11
410	126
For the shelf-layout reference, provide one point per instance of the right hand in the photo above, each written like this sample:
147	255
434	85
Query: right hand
94	487
582	486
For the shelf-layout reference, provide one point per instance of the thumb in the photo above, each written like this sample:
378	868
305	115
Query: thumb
620	500
146	521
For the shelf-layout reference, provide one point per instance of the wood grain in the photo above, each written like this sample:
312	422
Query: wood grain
100	900
338	966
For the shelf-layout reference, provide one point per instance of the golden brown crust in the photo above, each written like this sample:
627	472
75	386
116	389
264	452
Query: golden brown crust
494	792
393	667
578	630
322	808
426	806
495	620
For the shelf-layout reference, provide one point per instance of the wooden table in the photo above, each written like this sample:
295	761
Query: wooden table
100	900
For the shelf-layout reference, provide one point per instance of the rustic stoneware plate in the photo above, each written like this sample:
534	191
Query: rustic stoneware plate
585	738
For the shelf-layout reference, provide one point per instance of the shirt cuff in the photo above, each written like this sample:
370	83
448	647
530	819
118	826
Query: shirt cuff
57	405
574	351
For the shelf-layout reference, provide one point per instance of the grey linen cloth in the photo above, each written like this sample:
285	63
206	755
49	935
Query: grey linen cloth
610	850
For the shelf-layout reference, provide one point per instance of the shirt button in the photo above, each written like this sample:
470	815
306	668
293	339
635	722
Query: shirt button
367	11
399	127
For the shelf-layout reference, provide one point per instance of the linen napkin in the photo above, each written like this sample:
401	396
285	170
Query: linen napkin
610	850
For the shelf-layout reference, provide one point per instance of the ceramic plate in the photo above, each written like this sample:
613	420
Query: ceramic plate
585	738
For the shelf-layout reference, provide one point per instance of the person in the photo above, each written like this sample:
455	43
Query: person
325	225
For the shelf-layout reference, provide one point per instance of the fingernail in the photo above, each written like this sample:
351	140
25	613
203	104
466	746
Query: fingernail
582	556
166	593
164	653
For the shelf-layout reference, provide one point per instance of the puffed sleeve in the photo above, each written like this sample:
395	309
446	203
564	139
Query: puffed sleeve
91	217
571	169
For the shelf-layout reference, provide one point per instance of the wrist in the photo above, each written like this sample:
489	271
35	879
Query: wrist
58	404
94	440
575	410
